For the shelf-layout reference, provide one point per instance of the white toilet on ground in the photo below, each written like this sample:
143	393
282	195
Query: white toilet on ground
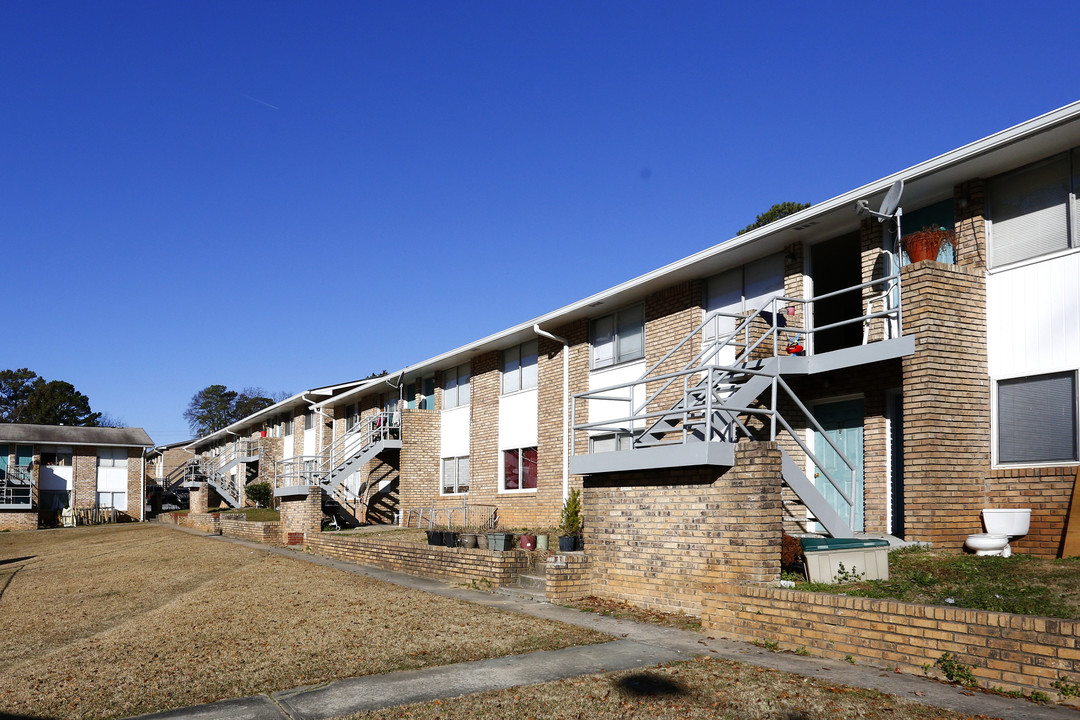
1001	524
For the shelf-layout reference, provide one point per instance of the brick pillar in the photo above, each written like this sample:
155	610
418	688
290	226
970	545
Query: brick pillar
302	514
747	533
946	403
199	499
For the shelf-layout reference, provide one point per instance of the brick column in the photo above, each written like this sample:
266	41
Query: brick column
199	499
946	403
747	532
301	515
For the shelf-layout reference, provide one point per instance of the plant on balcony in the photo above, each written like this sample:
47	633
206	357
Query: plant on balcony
570	528
925	244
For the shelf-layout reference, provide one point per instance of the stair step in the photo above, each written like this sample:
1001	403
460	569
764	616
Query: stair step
531	582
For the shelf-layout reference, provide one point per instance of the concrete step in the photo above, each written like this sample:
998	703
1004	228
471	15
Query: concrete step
522	593
532	581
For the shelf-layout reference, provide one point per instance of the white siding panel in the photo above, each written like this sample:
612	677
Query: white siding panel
1034	318
518	427
603	410
455	432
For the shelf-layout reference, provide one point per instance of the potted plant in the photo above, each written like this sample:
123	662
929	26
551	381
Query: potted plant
925	244
542	541
450	538
570	539
434	536
468	538
527	540
499	541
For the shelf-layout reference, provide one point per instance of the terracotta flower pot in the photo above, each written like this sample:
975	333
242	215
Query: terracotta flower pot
925	244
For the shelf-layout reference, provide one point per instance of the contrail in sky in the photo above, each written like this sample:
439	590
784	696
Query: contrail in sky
261	102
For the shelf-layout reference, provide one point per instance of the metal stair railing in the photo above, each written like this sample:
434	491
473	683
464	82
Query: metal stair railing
473	517
322	468
701	411
17	485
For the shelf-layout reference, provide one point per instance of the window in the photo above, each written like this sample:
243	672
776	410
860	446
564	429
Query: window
1029	210
352	417
611	442
1036	418
108	457
117	500
456	387
619	337
519	367
60	456
286	426
410	396
309	419
427	401
455	475
519	469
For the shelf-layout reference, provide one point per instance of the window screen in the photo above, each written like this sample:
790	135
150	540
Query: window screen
1037	419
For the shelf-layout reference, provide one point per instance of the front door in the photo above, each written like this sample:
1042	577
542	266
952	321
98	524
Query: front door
4	450
843	424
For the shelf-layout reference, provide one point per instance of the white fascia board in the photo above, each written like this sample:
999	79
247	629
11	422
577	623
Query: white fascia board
840	203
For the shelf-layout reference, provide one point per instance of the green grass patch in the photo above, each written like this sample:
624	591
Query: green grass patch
1019	584
254	514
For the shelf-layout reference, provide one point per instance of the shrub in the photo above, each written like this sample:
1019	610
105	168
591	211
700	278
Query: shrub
260	494
571	514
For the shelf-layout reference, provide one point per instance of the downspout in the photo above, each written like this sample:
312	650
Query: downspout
142	486
565	406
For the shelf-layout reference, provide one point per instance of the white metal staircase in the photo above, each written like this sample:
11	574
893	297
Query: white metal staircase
215	469
347	454
697	414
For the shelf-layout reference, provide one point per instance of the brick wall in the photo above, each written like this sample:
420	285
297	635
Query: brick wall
199	498
567	578
1014	652
457	564
237	526
969	209
946	403
419	460
1047	491
136	500
653	538
17	520
84	476
204	522
302	513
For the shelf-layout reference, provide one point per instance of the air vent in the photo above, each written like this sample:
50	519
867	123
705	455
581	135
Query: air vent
806	225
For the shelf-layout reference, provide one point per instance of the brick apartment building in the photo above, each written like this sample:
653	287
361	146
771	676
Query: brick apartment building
46	468
902	397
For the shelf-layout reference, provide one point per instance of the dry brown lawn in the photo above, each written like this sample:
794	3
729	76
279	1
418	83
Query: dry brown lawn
706	688
115	621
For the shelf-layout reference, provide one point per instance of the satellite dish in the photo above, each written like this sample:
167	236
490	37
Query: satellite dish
889	206
892	199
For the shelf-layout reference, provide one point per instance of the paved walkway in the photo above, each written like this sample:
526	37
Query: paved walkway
635	645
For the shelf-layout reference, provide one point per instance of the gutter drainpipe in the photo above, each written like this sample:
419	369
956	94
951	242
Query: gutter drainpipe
565	406
142	485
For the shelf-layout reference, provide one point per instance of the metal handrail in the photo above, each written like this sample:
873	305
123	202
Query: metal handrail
307	470
473	517
701	375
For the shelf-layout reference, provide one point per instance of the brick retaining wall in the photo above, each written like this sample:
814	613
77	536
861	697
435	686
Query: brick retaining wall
567	577
457	564
17	520
238	526
1013	652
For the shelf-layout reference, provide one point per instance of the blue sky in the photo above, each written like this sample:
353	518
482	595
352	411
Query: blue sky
289	195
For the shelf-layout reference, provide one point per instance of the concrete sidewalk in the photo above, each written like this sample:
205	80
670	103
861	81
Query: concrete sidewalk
635	645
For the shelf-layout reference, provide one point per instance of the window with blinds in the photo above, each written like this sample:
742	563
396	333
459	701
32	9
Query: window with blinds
1036	419
1029	211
